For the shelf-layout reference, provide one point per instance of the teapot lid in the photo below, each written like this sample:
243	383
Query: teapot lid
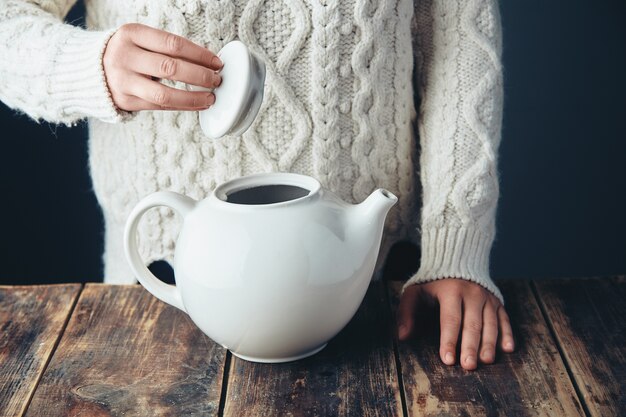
238	98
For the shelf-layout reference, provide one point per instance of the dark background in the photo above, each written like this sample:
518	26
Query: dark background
563	176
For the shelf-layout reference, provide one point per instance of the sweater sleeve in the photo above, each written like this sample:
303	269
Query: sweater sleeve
50	70
459	80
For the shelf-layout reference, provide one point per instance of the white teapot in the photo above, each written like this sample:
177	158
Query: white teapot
271	266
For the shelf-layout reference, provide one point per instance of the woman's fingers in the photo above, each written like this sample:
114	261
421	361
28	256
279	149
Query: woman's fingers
472	330
450	323
169	44
406	312
489	333
466	311
167	97
132	103
136	53
506	333
165	67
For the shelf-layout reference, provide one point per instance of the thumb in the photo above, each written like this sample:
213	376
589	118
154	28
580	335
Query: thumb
406	312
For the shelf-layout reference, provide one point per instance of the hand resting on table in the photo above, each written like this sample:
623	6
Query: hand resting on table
465	309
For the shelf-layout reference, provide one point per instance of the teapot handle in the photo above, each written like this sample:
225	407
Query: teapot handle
183	205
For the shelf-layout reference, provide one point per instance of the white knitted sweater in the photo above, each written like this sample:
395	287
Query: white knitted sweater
338	106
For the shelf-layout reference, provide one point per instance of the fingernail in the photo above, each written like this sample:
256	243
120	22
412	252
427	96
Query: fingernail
218	80
449	358
402	330
216	62
470	361
508	345
210	99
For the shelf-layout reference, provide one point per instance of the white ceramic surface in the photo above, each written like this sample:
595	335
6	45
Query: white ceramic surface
271	282
239	96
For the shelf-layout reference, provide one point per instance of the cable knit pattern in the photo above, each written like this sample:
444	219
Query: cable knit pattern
325	96
460	82
278	47
367	60
338	106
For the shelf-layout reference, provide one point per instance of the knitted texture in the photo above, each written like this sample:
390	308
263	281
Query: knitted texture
459	78
51	71
338	106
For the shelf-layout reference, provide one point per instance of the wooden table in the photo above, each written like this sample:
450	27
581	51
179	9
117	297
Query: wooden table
100	350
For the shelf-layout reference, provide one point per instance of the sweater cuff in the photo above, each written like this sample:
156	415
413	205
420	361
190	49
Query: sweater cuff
77	80
455	253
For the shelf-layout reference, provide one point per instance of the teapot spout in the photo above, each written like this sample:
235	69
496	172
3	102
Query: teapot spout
374	209
367	222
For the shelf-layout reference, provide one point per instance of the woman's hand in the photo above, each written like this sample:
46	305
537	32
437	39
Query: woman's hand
485	324
138	56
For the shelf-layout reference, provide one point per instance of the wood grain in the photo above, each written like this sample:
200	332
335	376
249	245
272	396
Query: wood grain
532	381
589	319
355	375
31	321
126	353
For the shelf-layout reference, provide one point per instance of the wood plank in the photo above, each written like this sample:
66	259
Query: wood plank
588	318
126	353
31	321
355	375
533	381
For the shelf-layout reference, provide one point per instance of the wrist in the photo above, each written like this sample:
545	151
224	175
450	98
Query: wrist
456	252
